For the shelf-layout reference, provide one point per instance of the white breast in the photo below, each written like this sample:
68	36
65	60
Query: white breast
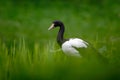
68	47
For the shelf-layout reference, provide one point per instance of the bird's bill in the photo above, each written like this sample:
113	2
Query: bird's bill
51	27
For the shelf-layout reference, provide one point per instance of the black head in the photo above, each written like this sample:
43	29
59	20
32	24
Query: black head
55	24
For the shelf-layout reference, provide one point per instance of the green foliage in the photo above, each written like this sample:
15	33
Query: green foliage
28	50
21	62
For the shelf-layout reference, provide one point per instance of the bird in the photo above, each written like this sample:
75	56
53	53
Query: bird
69	46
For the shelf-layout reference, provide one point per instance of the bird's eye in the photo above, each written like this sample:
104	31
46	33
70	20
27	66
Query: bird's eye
55	25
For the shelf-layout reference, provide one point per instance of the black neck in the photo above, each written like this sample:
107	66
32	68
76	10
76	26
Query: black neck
60	36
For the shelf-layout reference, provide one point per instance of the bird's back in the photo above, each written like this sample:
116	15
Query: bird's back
70	47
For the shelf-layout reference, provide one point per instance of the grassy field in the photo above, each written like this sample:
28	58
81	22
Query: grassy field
27	47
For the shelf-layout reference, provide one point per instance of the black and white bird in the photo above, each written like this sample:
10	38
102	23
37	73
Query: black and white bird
69	46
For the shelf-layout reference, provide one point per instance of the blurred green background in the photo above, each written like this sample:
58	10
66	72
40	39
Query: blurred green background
25	42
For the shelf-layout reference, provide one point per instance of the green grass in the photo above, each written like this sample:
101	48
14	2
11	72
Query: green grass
21	62
26	46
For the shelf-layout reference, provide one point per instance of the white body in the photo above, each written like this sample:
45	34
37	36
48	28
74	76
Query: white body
68	47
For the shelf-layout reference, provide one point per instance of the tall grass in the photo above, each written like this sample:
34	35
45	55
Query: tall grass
22	62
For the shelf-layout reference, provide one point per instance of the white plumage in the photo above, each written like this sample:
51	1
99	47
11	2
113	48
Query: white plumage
69	47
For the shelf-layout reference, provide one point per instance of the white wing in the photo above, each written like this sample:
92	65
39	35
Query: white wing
78	43
69	46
